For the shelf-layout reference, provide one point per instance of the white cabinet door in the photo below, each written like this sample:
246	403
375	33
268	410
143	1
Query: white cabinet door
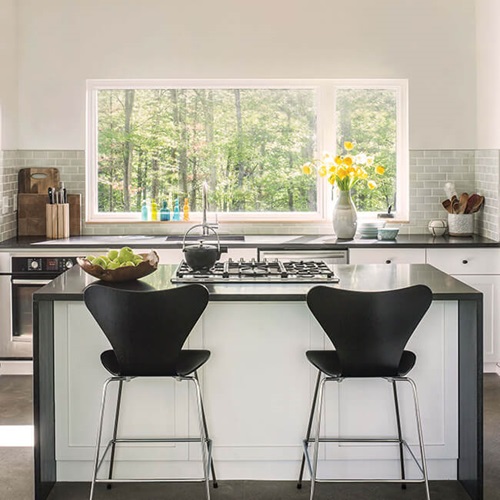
170	256
479	268
175	255
465	260
240	253
387	256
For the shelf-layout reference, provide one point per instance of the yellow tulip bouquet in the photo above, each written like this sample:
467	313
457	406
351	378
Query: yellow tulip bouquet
346	170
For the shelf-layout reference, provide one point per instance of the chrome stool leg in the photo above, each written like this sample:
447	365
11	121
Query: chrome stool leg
205	444
420	436
400	436
99	435
115	429
309	427
212	468
316	440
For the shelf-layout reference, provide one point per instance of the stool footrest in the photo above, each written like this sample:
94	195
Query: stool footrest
149	480
362	440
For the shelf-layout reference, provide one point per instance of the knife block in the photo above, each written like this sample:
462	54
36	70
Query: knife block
31	214
57	220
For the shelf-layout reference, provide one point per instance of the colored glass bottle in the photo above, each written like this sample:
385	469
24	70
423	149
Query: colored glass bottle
164	212
176	215
154	210
144	210
185	209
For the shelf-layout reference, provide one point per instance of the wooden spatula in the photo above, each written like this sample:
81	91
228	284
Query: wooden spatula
447	206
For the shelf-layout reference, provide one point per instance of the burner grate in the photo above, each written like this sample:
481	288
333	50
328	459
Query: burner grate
252	271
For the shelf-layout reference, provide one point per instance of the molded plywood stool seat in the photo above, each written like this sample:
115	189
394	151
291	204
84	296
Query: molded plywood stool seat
369	331
147	329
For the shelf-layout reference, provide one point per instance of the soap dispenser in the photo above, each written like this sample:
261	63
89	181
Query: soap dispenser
164	212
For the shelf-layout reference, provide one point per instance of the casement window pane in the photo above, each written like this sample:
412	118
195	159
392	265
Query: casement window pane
247	144
368	117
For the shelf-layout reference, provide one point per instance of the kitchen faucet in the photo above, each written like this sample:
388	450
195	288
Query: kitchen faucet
206	225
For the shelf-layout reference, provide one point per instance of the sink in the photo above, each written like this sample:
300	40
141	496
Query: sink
210	237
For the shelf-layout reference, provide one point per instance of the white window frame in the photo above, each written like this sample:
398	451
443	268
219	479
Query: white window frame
325	139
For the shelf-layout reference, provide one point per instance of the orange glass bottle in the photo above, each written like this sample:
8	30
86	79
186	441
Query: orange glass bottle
185	209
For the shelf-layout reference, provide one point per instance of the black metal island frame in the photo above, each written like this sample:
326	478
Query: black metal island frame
69	287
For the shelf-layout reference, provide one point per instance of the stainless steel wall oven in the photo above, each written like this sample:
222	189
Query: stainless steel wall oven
18	283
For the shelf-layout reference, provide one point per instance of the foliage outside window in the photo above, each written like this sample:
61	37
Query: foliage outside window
161	141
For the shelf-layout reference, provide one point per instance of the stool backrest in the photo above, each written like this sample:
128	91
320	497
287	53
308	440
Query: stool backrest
146	329
369	329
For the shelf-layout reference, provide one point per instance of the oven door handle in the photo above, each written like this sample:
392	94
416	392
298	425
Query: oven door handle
30	282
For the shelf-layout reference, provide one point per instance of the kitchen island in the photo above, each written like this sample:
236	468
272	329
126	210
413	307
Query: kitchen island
258	385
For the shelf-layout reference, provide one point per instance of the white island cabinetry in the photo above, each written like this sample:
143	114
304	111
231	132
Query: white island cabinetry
479	268
257	388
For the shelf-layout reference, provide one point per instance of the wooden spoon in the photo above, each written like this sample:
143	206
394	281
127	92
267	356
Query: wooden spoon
478	204
447	206
473	198
462	203
455	204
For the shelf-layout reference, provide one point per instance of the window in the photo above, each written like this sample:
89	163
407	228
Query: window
161	140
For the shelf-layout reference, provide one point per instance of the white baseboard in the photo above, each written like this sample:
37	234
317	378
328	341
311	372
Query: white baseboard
16	367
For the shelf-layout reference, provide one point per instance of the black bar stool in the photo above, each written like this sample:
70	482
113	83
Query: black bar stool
147	330
369	331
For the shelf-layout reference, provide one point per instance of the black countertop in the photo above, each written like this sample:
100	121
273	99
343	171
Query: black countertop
70	285
269	242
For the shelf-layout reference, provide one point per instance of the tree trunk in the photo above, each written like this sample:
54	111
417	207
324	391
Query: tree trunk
179	115
209	131
239	137
127	148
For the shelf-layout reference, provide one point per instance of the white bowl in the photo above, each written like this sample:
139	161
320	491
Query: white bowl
387	233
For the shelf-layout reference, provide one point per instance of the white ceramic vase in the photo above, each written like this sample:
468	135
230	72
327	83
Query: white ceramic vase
345	218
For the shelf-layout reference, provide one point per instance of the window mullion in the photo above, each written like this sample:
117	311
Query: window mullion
326	142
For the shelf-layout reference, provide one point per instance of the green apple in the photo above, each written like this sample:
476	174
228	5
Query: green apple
125	254
90	258
112	254
100	262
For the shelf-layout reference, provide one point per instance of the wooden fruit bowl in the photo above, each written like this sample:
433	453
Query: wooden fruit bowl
148	265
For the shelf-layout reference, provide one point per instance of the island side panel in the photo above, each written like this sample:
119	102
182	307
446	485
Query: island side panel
43	398
470	464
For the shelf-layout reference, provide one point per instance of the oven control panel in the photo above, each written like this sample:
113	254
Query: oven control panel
56	265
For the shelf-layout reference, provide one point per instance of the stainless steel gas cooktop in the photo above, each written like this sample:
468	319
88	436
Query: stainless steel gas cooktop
252	271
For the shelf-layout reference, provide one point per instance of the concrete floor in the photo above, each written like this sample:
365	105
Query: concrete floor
16	467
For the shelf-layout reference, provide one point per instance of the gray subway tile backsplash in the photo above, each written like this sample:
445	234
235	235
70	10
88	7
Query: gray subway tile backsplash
470	170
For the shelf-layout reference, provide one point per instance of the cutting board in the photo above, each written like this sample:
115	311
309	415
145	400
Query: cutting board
38	180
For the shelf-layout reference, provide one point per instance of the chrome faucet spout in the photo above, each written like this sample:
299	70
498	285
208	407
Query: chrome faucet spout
204	203
205	225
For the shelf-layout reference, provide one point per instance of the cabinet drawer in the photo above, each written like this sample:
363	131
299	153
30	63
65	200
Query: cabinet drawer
387	256
465	260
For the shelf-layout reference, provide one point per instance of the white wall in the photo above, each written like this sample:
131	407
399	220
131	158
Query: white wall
8	74
488	73
63	42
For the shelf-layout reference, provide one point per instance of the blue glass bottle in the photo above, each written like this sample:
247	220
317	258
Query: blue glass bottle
177	215
144	210
164	212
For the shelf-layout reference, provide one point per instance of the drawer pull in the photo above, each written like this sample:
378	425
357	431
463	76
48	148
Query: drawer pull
388	261
465	261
